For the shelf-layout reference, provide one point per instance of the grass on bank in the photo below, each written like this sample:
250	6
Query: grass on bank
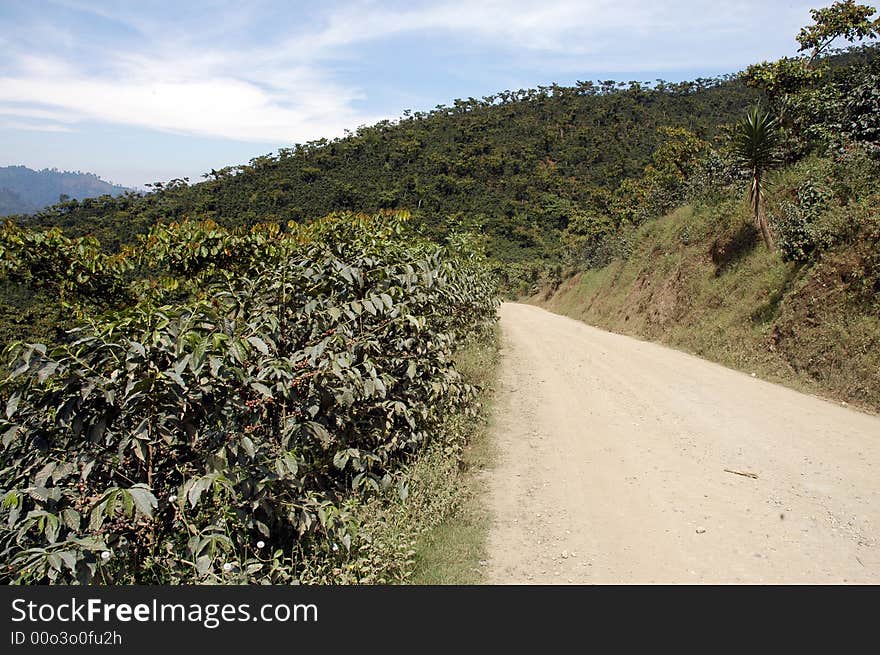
451	552
700	280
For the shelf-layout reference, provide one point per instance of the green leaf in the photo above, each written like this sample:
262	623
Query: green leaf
175	377
46	370
69	558
181	365
39	493
320	432
340	459
14	514
203	564
53	525
43	475
144	500
54	561
12	404
197	489
259	344
96	518
71	519
9	435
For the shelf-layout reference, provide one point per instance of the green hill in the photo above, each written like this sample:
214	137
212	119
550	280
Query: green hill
508	164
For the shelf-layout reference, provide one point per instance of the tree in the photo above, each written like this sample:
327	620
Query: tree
844	19
806	92
755	140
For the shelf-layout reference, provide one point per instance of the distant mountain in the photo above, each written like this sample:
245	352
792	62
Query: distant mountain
23	190
12	203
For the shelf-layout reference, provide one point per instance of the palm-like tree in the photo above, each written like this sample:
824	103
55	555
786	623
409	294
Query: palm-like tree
755	141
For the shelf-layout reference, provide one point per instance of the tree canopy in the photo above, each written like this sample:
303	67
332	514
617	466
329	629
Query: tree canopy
844	19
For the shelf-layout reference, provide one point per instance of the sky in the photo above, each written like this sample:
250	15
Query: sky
141	91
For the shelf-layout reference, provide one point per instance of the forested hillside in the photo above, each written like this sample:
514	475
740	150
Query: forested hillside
517	166
514	165
699	279
23	190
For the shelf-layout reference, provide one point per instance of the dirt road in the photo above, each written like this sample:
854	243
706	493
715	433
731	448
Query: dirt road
611	468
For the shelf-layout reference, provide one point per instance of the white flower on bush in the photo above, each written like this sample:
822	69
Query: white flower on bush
335	547
261	544
172	498
105	555
227	567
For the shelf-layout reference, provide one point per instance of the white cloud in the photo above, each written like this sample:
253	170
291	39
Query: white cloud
191	103
56	116
203	77
33	127
626	31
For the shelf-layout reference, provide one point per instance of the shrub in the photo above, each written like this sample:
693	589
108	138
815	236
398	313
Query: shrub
798	228
222	439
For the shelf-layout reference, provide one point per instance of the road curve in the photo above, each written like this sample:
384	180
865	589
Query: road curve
620	461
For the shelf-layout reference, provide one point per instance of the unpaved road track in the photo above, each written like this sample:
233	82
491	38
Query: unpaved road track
611	468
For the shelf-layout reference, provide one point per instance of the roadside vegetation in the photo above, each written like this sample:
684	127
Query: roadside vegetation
246	409
700	279
453	551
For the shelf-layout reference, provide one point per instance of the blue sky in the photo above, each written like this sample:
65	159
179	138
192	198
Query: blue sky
142	91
